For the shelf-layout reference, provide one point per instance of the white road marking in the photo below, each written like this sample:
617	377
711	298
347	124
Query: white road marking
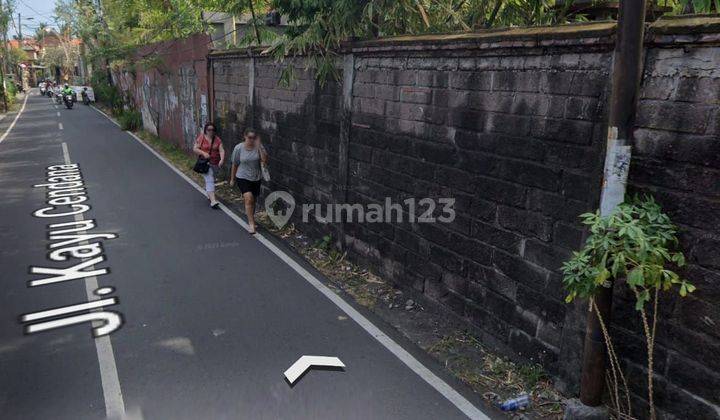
15	120
114	404
106	115
305	362
408	359
93	304
58	113
60	126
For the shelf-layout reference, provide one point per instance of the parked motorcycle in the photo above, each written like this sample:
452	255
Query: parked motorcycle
42	88
85	97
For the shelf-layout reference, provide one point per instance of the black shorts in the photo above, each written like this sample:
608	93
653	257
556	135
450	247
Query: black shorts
245	185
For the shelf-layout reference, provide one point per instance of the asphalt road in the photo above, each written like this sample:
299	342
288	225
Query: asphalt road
211	316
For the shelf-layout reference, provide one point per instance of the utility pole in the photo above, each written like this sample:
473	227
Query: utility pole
627	70
5	18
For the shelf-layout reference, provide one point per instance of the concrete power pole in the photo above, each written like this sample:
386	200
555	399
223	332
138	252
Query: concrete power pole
3	65
6	20
627	69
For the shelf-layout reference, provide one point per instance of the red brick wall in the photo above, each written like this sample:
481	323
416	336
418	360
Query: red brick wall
169	87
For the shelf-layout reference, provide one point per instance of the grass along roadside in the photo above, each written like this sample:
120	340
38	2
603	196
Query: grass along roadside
15	104
444	337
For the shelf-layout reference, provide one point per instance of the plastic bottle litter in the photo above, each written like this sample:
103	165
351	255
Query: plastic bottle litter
516	403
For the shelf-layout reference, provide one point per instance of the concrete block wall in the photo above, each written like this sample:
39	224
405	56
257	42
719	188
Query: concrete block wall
299	123
677	159
511	125
515	138
302	123
232	107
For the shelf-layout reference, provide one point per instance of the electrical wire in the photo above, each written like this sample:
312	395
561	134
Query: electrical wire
36	12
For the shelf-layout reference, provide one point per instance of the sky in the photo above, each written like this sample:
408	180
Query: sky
39	10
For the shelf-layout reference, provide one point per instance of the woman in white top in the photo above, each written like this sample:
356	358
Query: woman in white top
246	171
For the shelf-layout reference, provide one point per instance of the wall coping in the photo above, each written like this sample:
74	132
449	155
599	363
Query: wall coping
666	31
500	37
686	25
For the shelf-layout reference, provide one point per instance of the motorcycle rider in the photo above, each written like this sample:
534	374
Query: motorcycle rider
65	95
66	90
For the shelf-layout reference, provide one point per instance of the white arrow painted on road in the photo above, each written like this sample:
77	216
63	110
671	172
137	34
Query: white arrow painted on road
304	363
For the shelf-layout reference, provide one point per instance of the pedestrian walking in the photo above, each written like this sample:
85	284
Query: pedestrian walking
208	147
246	172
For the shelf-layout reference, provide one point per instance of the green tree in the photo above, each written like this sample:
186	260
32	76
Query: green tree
699	6
317	28
65	57
113	28
41	31
16	56
6	13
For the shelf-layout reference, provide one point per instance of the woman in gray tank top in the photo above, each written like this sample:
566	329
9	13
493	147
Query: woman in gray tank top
246	171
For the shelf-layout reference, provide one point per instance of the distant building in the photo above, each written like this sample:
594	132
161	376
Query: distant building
28	70
54	43
50	57
228	30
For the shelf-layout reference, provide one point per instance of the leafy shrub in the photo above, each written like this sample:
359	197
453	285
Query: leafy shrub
325	243
11	91
637	247
130	120
110	96
636	243
106	93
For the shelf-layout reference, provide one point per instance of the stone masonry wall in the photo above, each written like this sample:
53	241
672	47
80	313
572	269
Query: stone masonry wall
512	126
299	122
515	138
677	159
230	96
